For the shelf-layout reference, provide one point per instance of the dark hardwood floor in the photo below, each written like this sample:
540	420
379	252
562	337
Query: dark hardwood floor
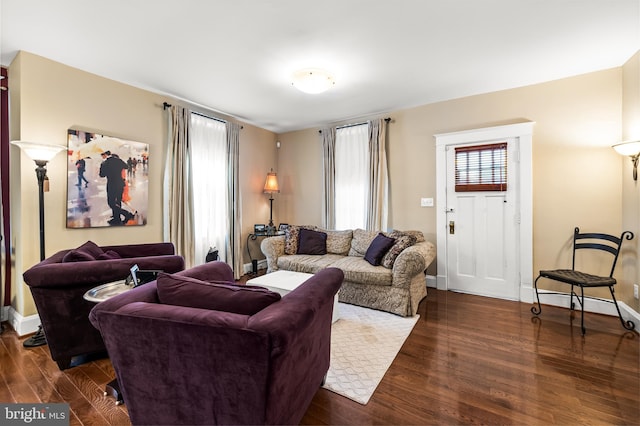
469	360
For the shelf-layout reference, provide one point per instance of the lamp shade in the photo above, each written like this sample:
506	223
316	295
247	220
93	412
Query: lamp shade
271	184
313	80
628	148
39	152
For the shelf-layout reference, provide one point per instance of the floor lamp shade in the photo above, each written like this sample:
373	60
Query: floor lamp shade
41	154
271	186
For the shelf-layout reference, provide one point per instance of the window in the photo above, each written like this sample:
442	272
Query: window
351	176
209	174
481	168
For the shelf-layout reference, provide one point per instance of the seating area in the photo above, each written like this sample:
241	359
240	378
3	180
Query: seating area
603	245
239	354
336	222
382	271
59	282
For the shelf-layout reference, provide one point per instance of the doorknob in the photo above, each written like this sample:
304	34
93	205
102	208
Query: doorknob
452	227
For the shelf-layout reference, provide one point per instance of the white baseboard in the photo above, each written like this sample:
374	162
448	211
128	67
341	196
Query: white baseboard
247	268
432	281
4	313
590	305
23	325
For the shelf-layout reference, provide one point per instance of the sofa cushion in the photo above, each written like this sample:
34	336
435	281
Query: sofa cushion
338	242
418	234
181	290
87	251
361	241
378	247
358	270
307	263
312	242
402	241
291	237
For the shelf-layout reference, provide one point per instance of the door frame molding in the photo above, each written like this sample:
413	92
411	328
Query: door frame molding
523	134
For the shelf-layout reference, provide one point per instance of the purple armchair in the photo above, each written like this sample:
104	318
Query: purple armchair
185	365
59	282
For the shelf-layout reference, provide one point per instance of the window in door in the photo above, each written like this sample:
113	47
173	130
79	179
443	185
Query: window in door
481	168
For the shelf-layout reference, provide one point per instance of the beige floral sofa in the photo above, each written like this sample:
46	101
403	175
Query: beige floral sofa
397	285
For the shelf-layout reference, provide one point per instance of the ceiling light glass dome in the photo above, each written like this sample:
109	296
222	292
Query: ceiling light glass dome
313	80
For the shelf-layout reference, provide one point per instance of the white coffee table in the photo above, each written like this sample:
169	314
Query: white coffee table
285	281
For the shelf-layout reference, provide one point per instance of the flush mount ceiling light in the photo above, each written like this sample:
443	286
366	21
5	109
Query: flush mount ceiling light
313	80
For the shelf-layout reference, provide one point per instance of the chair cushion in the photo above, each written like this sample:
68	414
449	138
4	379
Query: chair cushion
312	242
378	247
87	251
583	279
220	296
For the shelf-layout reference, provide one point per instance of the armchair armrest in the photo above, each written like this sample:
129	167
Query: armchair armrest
212	271
144	293
96	272
142	250
272	248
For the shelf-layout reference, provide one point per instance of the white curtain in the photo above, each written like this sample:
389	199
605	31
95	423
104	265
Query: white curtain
210	187
328	137
351	177
234	227
378	202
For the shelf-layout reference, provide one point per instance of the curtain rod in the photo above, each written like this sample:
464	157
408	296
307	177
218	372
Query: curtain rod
166	105
388	119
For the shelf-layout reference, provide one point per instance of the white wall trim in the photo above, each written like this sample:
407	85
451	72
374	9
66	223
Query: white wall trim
23	325
432	281
4	313
247	268
523	132
590	305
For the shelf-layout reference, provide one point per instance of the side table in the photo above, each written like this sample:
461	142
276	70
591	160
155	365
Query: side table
253	237
99	294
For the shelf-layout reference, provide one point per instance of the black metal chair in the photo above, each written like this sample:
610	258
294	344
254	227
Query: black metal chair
589	241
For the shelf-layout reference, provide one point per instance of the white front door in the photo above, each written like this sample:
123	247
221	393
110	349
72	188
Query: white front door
482	232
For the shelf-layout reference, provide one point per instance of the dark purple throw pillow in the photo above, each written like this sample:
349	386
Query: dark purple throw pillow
109	254
312	242
87	251
378	247
180	290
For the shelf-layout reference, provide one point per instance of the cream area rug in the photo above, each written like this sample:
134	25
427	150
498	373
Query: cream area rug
364	343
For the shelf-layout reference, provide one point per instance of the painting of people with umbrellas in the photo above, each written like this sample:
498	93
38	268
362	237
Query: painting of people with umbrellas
108	181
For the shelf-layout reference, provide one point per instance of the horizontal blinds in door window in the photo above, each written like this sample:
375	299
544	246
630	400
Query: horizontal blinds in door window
481	168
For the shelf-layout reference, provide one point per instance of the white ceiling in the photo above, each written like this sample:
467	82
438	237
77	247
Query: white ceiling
237	56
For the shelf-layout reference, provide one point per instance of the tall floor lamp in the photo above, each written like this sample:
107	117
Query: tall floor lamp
41	154
271	186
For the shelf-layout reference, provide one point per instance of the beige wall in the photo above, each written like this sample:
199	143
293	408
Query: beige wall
578	179
47	98
631	189
576	175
